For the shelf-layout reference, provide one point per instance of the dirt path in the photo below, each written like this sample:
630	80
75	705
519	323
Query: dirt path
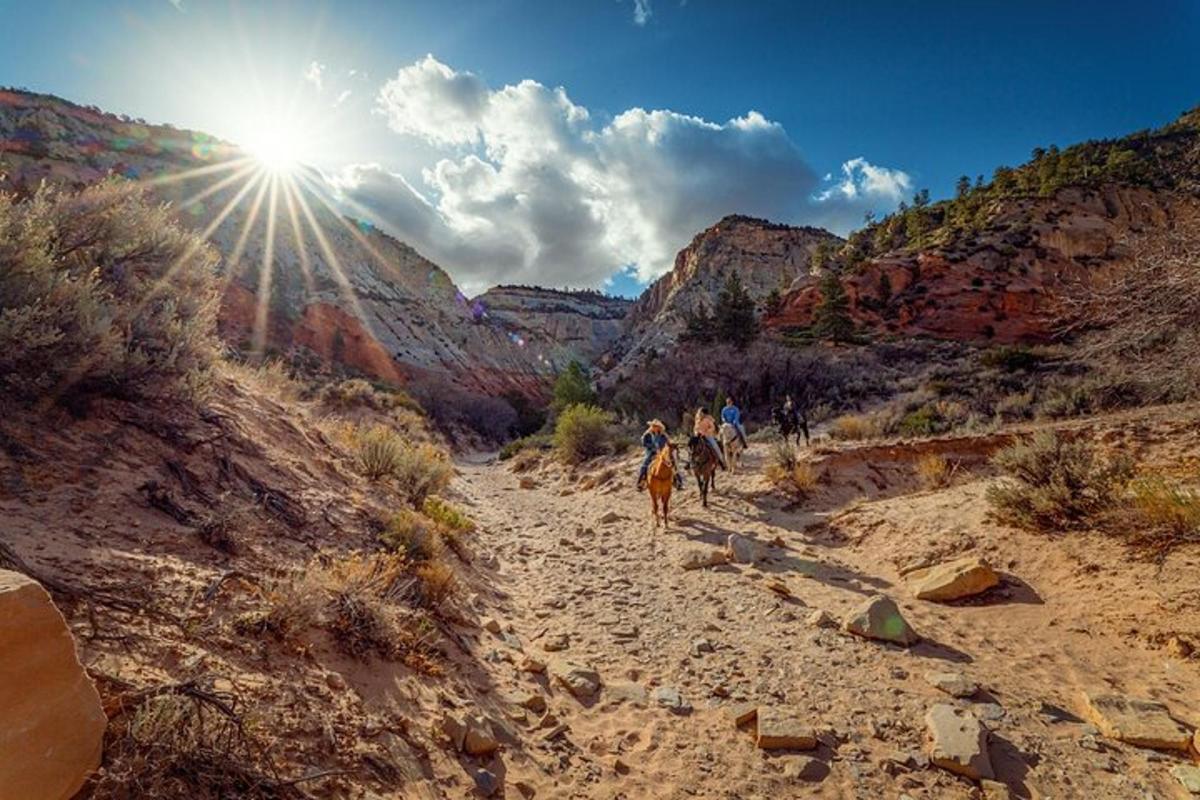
677	650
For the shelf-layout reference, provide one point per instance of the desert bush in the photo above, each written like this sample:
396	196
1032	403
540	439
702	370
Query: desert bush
935	471
1055	483
1164	513
101	292
447	515
412	535
435	583
582	432
786	472
1010	358
418	469
356	393
855	427
534	441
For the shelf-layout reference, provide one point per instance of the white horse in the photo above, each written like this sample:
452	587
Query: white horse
731	445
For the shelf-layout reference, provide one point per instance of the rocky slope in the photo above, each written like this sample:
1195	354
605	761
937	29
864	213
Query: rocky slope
338	293
765	255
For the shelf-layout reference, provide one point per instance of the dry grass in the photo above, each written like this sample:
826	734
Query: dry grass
935	471
418	469
436	583
412	535
447	515
855	427
1162	515
786	472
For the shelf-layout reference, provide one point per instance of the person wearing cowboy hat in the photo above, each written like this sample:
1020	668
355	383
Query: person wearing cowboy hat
653	440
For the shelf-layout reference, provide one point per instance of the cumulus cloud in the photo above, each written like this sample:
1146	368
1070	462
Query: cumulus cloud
533	188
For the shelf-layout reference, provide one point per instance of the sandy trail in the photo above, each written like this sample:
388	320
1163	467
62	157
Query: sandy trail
722	636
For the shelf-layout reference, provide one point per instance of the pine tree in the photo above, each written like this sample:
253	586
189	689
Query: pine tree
573	387
831	317
734	320
963	186
699	325
773	303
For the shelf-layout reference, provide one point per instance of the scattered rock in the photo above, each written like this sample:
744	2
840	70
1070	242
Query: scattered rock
454	729
880	618
952	683
701	646
580	680
742	549
472	735
744	714
958	742
806	768
486	782
527	483
531	664
51	720
532	701
1189	776
821	619
491	625
698	558
783	729
633	693
779	587
610	518
335	681
1142	723
953	580
556	643
1178	647
670	698
527	791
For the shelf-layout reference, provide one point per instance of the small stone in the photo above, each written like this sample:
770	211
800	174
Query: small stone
1142	723
821	619
783	729
491	625
556	642
953	580
701	646
580	680
744	714
479	739
958	742
533	701
952	683
805	768
1178	647
610	518
669	697
486	782
741	549
335	682
531	664
527	483
527	791
880	618
454	729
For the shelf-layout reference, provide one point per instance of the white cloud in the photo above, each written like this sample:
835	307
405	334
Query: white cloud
641	12
314	74
343	97
533	188
177	3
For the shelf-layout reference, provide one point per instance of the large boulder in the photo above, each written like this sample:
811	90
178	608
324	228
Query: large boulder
953	580
958	742
1142	723
880	618
51	721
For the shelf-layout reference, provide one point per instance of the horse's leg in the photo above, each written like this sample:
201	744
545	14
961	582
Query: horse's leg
666	510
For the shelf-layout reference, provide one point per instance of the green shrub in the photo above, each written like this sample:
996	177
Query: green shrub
418	470
573	387
447	516
582	432
925	421
1010	358
536	441
1170	512
1055	483
412	535
101	292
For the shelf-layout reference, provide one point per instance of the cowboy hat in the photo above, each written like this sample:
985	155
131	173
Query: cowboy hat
656	423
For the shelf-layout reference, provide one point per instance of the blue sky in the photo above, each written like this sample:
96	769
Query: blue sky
921	91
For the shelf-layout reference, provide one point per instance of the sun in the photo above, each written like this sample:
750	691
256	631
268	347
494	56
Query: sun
275	145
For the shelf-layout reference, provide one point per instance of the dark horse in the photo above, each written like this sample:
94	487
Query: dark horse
791	423
704	466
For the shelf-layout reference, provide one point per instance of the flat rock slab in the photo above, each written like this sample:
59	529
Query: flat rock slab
51	720
741	549
880	618
953	580
699	558
579	679
958	742
1142	723
1188	776
952	683
784	729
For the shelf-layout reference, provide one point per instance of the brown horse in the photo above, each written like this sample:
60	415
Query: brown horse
660	480
704	466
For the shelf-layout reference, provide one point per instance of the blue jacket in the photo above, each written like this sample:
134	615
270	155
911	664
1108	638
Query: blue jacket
732	415
653	442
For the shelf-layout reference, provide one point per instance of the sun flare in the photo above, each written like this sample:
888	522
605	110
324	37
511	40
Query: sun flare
278	147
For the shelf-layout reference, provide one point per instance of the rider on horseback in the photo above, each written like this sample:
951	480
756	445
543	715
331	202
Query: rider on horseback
653	440
705	426
733	415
